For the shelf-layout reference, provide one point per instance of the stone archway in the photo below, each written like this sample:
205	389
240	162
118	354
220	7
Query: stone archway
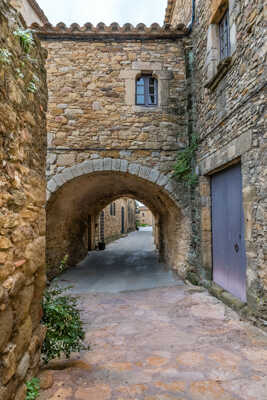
86	188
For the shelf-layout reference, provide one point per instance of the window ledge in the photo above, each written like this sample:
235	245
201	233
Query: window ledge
222	69
147	109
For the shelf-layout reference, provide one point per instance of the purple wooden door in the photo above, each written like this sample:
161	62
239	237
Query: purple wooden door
228	243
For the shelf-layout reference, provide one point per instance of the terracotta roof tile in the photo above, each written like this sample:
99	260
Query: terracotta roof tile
88	30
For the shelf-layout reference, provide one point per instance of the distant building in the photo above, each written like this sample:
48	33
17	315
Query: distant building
116	219
144	216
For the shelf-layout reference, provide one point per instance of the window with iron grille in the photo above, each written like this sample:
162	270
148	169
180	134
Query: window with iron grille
224	36
146	91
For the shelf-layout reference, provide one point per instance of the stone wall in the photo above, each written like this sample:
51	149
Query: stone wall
22	199
144	216
101	145
92	113
113	219
229	100
179	12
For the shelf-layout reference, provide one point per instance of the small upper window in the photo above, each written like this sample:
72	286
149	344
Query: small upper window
146	91
224	36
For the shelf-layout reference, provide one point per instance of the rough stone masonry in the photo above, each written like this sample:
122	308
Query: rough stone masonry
22	200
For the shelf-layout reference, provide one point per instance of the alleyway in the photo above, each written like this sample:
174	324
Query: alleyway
154	338
130	263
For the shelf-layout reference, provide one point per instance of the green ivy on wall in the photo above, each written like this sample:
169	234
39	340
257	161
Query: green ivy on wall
184	166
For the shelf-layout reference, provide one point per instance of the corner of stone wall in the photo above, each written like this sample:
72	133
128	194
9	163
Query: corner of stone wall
22	199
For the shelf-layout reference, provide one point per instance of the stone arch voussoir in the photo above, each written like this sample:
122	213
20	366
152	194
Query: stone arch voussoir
153	175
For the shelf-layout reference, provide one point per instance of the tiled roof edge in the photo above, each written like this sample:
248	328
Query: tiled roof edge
114	29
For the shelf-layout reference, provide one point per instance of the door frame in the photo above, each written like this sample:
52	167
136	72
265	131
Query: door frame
206	245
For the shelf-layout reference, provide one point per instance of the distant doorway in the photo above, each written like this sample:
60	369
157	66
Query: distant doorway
102	227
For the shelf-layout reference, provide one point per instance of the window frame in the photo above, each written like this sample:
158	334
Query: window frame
224	36
146	93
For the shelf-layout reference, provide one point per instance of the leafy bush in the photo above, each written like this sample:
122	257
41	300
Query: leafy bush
183	169
33	387
25	38
64	326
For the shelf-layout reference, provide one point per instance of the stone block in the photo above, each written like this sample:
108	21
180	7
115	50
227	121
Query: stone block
21	392
6	325
23	337
147	66
14	283
162	180
59	179
23	366
9	363
123	165
48	195
107	164
67	174
98	165
22	303
76	171
144	172
133	169
65	160
35	255
86	166
52	185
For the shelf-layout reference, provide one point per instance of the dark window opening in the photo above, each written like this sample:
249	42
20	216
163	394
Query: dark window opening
113	209
224	30
146	91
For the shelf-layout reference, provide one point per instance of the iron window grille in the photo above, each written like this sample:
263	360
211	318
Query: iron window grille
224	32
146	91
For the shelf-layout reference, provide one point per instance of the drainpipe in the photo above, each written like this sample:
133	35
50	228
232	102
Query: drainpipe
193	16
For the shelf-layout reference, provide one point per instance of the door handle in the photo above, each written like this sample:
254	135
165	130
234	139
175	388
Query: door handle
236	247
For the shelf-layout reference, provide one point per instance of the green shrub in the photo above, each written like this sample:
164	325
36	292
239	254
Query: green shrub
25	38
183	169
33	387
65	331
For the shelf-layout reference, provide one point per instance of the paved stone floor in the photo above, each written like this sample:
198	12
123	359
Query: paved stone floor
162	343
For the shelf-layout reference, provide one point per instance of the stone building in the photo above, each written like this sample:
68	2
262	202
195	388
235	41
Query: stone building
226	53
116	219
205	68
123	101
22	201
204	75
101	144
144	216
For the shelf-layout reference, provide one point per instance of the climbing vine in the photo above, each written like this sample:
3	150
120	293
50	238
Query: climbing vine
184	166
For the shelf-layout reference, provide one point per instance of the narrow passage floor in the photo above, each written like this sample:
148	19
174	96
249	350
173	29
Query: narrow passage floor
165	342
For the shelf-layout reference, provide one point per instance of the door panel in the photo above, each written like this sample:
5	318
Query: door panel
229	255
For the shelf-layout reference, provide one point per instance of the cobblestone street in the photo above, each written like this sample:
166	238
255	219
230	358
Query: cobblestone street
165	343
